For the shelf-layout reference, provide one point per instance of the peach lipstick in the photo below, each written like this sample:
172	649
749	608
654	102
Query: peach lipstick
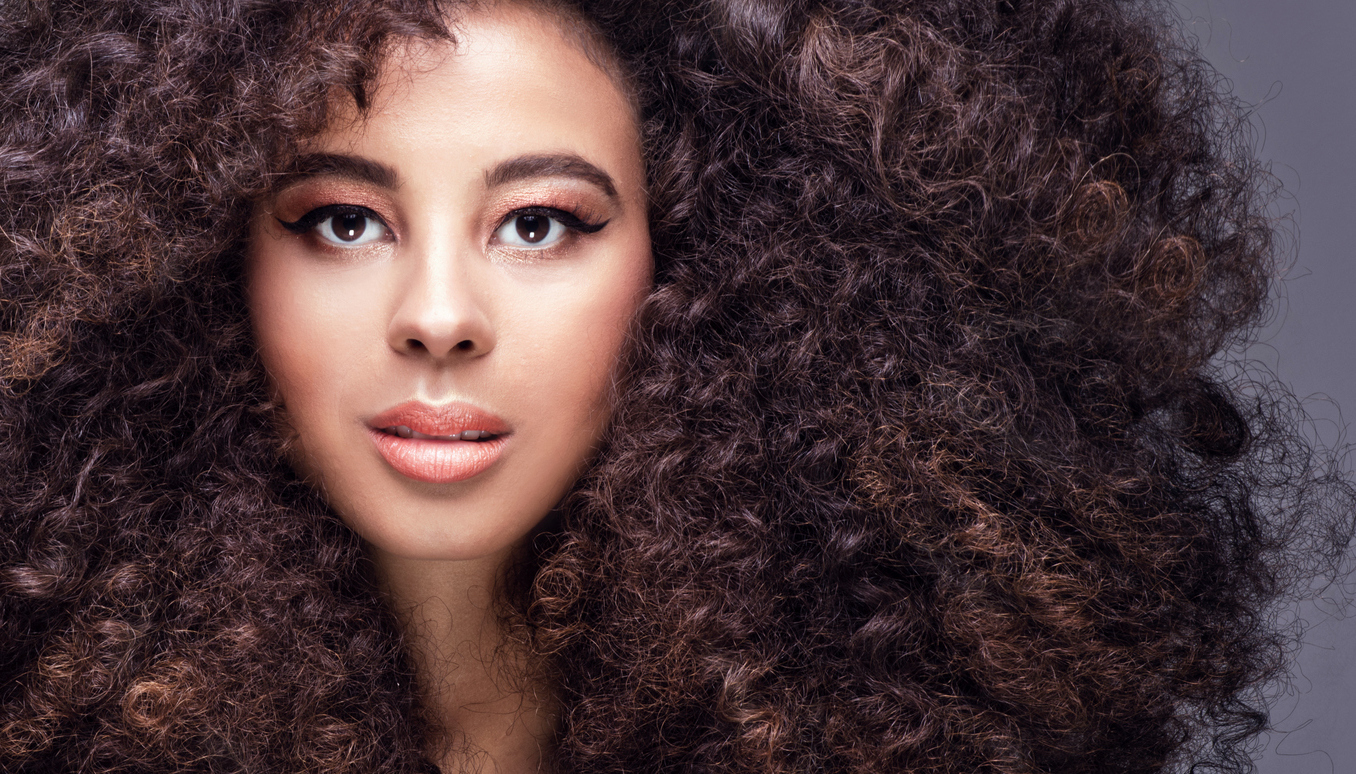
438	444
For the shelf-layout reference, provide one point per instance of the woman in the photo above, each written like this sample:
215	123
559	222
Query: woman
902	451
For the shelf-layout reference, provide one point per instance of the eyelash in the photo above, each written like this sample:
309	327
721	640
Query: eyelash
315	217
567	219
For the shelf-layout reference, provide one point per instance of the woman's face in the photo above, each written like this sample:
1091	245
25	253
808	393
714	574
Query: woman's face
441	296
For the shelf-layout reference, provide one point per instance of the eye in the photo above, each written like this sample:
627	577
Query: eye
530	230
537	228
343	225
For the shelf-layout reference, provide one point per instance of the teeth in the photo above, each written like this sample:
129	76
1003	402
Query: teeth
466	435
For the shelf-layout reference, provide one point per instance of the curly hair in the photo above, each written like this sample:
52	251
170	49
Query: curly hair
921	459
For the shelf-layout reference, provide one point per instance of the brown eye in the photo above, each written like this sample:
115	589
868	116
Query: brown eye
531	230
348	227
342	225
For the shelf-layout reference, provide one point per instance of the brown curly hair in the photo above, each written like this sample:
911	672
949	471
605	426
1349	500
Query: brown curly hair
921	461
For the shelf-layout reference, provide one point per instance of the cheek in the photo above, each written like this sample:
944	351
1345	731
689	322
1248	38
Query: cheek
283	327
566	371
306	323
586	350
302	342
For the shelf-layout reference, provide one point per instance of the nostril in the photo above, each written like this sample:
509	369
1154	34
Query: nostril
465	345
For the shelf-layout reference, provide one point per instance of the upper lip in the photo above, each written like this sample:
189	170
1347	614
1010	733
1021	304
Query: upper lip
444	420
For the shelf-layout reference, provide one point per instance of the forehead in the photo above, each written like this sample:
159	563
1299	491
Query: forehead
515	74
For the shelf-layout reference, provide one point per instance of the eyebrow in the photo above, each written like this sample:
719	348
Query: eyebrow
521	168
549	165
340	165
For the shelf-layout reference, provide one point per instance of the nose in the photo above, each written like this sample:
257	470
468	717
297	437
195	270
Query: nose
440	313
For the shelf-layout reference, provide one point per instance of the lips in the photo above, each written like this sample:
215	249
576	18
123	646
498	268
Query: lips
438	444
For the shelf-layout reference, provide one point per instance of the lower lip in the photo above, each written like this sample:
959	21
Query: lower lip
437	462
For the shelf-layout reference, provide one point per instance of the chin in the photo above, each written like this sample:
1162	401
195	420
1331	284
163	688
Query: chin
452	533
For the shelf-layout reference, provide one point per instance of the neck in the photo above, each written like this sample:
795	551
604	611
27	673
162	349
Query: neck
474	679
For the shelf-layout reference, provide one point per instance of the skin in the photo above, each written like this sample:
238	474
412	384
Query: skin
434	302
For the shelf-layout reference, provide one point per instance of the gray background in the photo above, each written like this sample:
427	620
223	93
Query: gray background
1294	62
